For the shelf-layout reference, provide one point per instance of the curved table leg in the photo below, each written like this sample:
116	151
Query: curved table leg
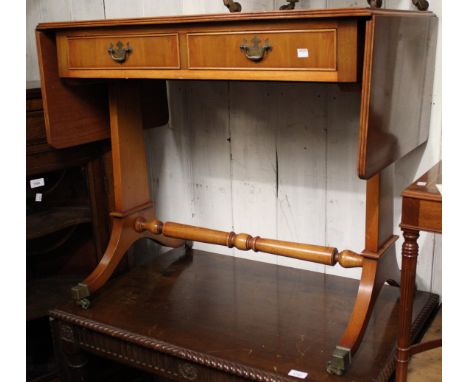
122	237
375	273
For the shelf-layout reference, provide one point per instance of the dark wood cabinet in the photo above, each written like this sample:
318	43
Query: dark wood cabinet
67	226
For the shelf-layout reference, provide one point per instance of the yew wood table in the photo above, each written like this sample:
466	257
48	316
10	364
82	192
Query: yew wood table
107	78
421	211
197	316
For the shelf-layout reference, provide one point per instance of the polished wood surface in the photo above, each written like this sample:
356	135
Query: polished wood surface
421	211
73	114
219	318
148	51
213	51
41	157
422	202
398	74
221	50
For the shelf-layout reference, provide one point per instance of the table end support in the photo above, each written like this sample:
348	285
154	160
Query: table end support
378	268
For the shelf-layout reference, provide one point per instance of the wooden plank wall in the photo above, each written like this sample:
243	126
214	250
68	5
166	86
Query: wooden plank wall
276	160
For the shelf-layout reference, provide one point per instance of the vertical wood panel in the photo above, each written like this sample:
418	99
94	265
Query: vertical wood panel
123	8
208	121
33	17
436	286
253	116
56	10
87	9
301	147
170	166
162	7
345	226
197	7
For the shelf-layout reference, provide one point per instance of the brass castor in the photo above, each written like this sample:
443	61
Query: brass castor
340	361
84	303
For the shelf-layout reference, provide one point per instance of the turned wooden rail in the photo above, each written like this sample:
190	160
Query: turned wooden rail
245	242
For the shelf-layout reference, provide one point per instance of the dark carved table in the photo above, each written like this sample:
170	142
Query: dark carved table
193	315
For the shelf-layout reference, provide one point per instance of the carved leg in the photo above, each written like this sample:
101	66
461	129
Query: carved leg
131	189
408	277
375	273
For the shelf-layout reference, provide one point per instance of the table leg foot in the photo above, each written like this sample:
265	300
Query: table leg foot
340	361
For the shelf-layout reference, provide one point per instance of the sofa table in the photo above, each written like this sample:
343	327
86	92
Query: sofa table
107	78
421	211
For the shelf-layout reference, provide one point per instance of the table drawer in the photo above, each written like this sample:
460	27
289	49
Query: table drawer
327	48
118	51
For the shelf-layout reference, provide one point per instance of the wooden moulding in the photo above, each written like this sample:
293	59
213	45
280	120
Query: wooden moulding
245	242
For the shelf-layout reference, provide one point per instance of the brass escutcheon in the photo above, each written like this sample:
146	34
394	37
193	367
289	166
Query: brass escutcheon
255	52
120	53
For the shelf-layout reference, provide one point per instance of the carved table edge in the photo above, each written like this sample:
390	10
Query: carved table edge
229	367
421	319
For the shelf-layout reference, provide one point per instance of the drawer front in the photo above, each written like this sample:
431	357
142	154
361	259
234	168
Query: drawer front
323	51
264	50
120	51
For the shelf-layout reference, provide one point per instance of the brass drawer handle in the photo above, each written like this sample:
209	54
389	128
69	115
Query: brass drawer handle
255	52
120	54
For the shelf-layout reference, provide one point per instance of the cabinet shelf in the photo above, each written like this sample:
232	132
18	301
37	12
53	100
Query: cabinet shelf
54	219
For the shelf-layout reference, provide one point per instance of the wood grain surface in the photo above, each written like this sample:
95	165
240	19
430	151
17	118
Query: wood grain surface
225	314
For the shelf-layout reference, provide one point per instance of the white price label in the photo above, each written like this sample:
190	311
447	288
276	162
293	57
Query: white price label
38	198
298	374
421	184
37	182
303	53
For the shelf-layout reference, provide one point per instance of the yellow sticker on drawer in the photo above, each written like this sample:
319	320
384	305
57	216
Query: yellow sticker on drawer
298	374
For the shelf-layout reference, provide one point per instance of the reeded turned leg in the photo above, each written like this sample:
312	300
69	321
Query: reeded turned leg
408	279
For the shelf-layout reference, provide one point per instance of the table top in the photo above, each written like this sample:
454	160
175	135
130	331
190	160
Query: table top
226	17
220	309
425	188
